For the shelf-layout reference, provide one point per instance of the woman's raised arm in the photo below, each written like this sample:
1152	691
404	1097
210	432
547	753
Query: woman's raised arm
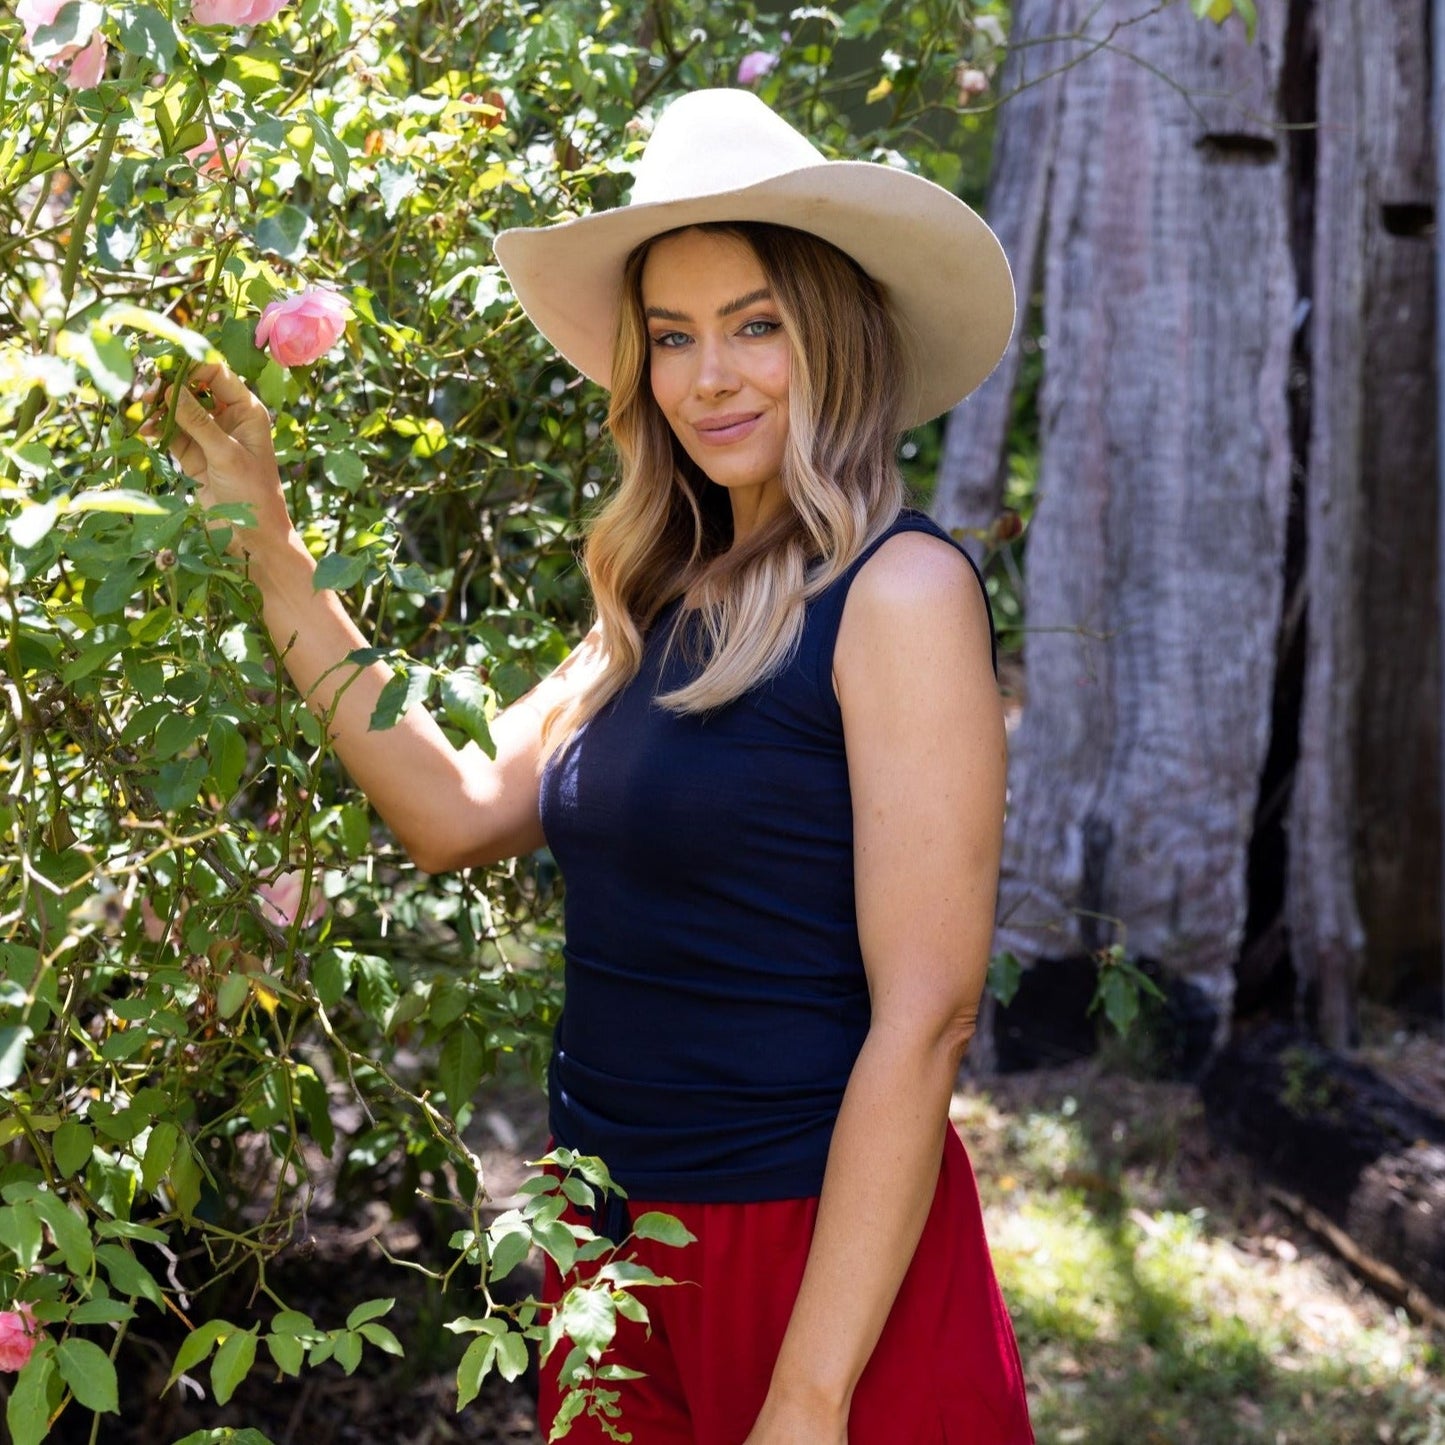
447	808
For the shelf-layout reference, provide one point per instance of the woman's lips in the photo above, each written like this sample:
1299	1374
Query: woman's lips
731	430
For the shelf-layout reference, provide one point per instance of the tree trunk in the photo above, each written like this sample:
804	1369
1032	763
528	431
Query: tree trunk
1365	825
970	473
1153	558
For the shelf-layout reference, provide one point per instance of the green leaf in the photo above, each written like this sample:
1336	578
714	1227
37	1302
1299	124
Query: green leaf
32	523
339	156
317	1108
663	1228
27	1412
147	33
185	1179
87	1369
225	1434
232	1364
126	313
116	499
178	783
372	1309
331	977
284	232
127	1229
508	1250
176	733
589	1319
72	1147
128	1275
1005	973
336	572
159	1151
347	1351
20	1233
67	1228
196	1346
396	182
344	470
403	689
102	1312
226	749
464	700
234	990
13	1042
383	1338
105	357
475	1366
511	1355
1120	996
287	1351
460	1070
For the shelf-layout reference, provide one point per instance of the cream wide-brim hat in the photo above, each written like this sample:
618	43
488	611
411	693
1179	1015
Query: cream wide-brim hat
723	155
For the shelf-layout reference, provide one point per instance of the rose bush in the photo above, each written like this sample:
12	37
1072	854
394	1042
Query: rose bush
214	968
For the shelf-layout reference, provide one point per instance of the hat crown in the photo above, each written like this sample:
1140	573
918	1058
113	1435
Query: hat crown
718	140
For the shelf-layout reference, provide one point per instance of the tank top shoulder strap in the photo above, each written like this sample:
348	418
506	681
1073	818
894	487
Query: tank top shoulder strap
826	610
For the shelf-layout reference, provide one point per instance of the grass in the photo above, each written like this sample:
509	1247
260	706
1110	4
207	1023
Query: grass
1156	1297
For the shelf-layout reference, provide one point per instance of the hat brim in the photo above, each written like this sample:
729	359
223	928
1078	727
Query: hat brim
942	268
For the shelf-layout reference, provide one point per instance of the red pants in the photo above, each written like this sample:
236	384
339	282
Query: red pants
945	1371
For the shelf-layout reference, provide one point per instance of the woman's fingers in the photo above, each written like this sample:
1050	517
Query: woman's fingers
202	428
224	385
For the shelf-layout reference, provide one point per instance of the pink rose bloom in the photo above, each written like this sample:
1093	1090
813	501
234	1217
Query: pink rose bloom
17	1336
755	65
210	156
281	899
303	328
235	12
84	60
36	14
87	69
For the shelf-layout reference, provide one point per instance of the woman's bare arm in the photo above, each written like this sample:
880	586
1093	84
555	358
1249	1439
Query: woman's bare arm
926	762
447	808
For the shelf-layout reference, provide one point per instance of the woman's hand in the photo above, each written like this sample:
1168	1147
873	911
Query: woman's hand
229	452
791	1421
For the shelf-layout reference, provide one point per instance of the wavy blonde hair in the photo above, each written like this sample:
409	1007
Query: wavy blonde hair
667	529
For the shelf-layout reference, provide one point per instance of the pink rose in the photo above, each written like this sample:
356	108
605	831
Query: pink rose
302	328
211	157
83	59
755	65
17	1336
281	898
36	14
235	12
88	68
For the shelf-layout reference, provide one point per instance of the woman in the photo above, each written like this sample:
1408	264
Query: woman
772	774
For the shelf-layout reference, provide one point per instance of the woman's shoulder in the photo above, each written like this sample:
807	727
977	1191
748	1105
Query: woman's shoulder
917	577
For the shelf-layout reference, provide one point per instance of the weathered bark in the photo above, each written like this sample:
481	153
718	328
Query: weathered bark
1365	825
1343	1143
1153	559
968	494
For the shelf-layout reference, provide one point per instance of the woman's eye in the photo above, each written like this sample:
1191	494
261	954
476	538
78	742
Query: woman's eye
669	340
768	327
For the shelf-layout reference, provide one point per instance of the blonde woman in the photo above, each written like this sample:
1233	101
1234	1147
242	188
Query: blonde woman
772	775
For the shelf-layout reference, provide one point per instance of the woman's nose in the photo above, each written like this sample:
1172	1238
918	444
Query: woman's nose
715	369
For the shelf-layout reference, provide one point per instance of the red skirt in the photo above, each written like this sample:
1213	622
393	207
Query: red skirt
945	1370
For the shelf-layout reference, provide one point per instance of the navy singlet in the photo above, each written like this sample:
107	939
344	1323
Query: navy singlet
715	992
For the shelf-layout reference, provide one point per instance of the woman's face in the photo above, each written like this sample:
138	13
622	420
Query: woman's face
719	362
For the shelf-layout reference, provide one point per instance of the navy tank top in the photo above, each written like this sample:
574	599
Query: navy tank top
715	993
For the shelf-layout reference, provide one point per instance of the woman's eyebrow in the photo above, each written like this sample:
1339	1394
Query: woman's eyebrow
661	313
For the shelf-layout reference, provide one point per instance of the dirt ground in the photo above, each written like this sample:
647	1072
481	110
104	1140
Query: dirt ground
391	1402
